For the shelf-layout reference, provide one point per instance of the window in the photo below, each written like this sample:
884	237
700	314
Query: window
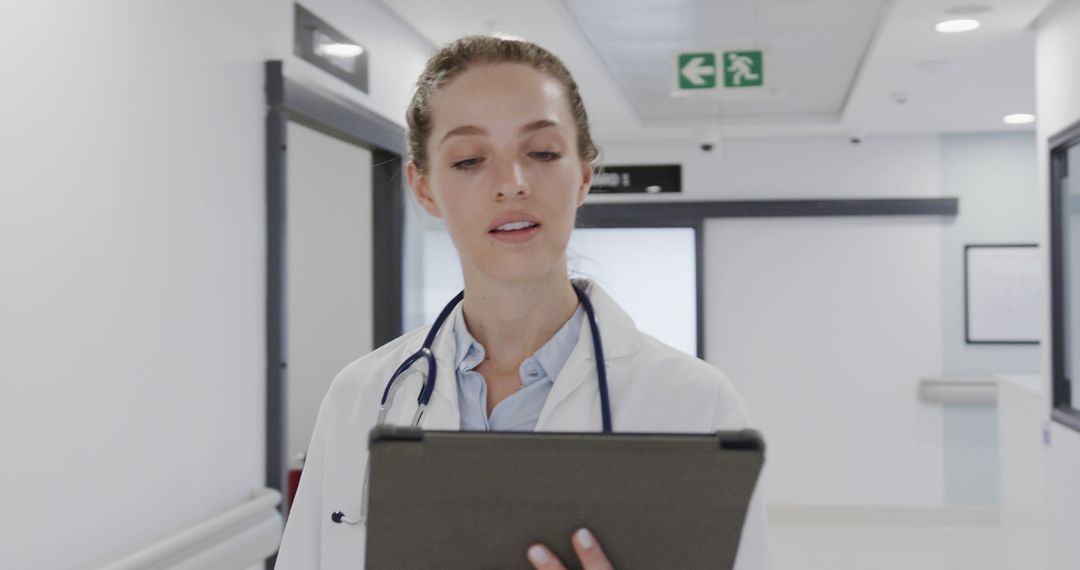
650	272
1065	273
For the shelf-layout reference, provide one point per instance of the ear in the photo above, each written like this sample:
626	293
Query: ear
586	181
421	189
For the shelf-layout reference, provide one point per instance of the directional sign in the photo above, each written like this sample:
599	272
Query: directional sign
720	70
743	68
697	70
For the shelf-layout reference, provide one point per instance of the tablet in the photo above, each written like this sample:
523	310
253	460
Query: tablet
442	499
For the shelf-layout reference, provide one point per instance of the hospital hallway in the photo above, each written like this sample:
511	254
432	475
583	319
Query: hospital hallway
744	284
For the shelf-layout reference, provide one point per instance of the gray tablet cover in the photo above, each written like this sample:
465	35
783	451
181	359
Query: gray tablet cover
479	499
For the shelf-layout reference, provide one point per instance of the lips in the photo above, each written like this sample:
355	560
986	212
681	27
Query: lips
515	228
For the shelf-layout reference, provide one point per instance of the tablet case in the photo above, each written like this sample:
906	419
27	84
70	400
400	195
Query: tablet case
478	499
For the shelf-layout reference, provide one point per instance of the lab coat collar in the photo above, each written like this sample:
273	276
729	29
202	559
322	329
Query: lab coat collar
619	336
619	339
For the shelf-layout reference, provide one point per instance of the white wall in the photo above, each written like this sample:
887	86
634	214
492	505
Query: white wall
131	303
132	242
1058	105
825	326
994	175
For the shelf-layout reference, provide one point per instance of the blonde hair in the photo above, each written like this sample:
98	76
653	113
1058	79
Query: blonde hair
459	56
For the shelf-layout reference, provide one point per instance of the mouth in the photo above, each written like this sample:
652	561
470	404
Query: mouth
515	229
512	227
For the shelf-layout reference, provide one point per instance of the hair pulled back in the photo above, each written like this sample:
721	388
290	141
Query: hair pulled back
459	56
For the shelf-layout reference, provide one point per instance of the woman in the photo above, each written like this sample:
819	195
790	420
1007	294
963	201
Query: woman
499	148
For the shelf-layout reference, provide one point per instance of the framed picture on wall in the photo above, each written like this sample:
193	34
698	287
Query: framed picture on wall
1003	294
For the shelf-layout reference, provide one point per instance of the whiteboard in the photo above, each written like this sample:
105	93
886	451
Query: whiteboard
1005	293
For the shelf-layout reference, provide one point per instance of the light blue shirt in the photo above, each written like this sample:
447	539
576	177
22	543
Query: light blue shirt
521	410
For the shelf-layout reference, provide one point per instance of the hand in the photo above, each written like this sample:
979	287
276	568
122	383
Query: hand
588	552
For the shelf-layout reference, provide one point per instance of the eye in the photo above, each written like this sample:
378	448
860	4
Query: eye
545	156
466	164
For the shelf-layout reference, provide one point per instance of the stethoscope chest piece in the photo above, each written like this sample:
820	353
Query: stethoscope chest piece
339	517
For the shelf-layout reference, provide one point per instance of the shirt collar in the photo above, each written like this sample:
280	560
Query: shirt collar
469	352
550	358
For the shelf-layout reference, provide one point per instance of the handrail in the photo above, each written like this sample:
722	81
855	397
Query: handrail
192	540
958	390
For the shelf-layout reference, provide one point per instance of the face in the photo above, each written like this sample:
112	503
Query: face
504	171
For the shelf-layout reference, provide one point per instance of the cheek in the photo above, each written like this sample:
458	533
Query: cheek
562	187
459	212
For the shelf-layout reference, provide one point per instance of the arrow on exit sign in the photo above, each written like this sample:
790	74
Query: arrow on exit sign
697	70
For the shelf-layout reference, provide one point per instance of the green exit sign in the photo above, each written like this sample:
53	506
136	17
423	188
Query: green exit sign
726	69
744	68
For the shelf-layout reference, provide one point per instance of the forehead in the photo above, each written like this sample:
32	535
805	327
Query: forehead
502	95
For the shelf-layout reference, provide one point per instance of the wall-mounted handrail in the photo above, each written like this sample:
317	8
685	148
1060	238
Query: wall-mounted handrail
194	541
958	390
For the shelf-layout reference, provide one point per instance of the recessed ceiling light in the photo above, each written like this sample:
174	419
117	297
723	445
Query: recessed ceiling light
339	50
955	26
968	9
1019	119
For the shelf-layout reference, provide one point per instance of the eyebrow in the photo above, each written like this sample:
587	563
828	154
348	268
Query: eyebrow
465	130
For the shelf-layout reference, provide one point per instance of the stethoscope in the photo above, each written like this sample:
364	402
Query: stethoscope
429	383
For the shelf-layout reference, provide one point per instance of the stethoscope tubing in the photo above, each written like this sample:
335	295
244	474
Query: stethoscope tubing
601	367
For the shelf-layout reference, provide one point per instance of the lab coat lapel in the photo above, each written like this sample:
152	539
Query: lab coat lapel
574	401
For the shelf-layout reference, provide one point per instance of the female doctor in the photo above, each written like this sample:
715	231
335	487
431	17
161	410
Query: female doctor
499	148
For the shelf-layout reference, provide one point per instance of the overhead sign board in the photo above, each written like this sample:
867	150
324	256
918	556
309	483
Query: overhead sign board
650	179
731	69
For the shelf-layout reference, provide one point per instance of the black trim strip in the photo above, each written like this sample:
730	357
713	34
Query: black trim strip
687	212
699	267
276	120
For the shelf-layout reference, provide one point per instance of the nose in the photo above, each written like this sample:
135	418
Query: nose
511	180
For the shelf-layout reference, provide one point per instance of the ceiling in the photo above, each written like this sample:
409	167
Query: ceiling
832	66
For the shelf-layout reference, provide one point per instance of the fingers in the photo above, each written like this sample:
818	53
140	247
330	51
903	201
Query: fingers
542	558
588	551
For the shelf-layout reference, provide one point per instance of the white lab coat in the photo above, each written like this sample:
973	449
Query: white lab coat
653	388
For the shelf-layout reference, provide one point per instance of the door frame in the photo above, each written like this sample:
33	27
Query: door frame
288	99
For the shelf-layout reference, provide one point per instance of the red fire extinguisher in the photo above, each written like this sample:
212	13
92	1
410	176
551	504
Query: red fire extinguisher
294	477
